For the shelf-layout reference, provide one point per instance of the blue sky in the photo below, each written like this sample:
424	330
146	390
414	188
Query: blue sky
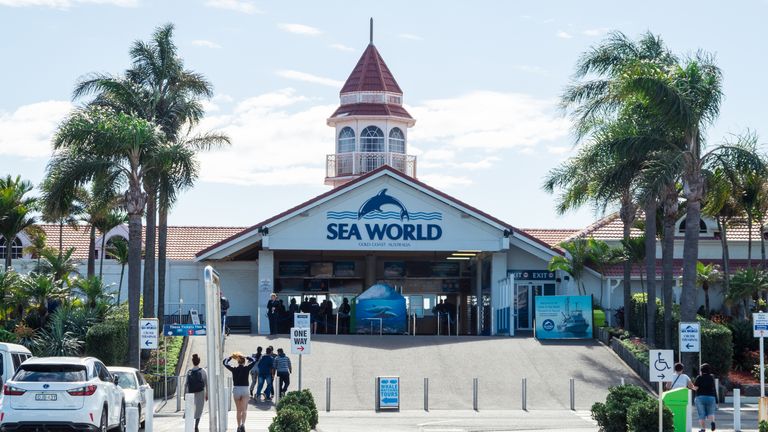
482	79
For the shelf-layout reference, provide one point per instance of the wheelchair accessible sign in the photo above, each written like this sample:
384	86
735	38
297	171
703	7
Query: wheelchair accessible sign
661	365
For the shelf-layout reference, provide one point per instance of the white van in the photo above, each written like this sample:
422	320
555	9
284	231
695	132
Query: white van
11	356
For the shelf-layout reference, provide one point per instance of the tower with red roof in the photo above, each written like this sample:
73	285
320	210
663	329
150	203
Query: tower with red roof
371	123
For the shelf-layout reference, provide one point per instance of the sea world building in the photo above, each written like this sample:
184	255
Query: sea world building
380	225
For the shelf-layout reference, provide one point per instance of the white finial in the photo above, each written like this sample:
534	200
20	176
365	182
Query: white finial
371	40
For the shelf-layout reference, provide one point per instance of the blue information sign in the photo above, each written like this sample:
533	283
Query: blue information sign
184	330
563	317
389	393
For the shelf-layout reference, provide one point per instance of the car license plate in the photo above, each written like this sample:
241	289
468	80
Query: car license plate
45	397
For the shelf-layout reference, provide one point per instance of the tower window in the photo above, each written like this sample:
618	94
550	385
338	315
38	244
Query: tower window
396	141
702	227
372	140
112	244
346	140
16	248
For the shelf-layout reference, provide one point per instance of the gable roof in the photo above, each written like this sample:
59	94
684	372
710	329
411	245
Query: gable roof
371	74
396	174
552	237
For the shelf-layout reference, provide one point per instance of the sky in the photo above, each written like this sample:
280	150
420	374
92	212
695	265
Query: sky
482	79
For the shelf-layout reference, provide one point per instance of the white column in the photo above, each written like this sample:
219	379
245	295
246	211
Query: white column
479	291
498	274
265	288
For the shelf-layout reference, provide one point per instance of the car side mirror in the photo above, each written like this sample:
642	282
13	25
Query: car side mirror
115	379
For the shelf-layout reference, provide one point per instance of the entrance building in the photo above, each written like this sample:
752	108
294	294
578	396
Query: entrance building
379	224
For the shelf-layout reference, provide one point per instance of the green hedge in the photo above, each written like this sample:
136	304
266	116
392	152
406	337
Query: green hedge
303	399
108	342
611	416
292	418
643	416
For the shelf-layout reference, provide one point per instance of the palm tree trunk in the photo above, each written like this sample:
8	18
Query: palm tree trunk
61	237
92	252
134	287
120	285
762	245
667	262
149	255
650	269
627	213
749	241
8	251
694	187
162	238
103	252
722	224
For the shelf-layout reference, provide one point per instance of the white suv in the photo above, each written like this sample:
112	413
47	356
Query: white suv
62	394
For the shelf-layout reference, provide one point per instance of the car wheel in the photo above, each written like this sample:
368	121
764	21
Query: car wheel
104	420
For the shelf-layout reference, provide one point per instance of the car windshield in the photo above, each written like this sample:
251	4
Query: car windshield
126	380
50	373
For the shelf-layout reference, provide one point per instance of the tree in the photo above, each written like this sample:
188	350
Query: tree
8	281
746	284
99	141
37	244
706	275
59	264
575	261
92	289
15	212
41	289
601	256
634	253
108	221
119	250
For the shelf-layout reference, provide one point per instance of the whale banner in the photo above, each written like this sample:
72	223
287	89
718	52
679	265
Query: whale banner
380	309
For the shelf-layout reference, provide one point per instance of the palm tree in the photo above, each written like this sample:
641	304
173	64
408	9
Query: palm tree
159	89
108	221
601	257
59	264
575	261
98	141
37	244
61	208
41	289
15	212
721	204
706	275
746	284
8	281
118	248
634	253
93	289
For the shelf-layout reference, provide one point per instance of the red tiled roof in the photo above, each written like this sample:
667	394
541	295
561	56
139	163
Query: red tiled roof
371	109
677	267
347	185
552	237
371	74
183	241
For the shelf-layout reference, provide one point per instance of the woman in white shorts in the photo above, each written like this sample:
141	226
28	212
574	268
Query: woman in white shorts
240	374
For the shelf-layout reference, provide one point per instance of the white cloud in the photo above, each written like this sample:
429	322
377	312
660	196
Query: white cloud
306	77
28	131
300	29
564	35
64	4
205	43
341	47
410	36
595	31
243	6
536	70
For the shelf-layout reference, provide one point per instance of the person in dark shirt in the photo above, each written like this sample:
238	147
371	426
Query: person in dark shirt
265	368
706	397
254	371
272	305
314	313
240	384
344	316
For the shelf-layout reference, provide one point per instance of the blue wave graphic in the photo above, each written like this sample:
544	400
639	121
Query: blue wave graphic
343	215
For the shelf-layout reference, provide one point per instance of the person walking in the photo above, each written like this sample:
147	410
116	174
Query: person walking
265	368
272	305
254	371
706	397
314	313
681	380
240	374
344	316
197	380
284	370
224	303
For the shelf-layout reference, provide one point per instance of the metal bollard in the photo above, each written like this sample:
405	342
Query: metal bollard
132	419
150	414
622	381
189	412
426	394
717	390
737	410
573	394
525	394
179	388
474	394
328	394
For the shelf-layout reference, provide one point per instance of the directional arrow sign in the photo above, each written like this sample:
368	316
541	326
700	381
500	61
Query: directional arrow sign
301	341
388	393
148	333
760	324
661	364
690	337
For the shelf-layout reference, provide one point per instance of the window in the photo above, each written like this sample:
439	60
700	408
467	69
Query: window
346	140
16	248
702	227
126	380
103	373
372	140
111	246
50	373
396	141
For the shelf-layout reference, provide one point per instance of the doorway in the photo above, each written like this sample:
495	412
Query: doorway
525	300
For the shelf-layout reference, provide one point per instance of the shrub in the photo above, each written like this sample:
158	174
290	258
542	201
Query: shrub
744	343
637	348
644	417
9	337
763	426
302	398
292	418
716	346
108	341
611	416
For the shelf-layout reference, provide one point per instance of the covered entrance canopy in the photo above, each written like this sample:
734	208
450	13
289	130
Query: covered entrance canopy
382	227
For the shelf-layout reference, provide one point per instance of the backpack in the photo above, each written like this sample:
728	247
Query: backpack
195	381
224	304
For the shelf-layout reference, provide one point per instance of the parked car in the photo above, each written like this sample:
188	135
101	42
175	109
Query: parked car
11	356
62	393
134	387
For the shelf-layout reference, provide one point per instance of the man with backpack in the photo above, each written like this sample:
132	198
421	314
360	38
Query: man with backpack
196	384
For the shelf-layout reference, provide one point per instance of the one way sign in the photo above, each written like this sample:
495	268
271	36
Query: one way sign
301	341
690	337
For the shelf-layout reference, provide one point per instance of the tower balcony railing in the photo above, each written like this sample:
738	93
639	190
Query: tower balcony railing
358	163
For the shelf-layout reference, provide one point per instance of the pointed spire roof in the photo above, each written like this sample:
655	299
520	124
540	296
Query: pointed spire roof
371	74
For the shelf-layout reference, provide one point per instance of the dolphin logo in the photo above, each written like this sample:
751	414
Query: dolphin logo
374	204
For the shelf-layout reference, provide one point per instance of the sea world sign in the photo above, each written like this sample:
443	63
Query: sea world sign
383	220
